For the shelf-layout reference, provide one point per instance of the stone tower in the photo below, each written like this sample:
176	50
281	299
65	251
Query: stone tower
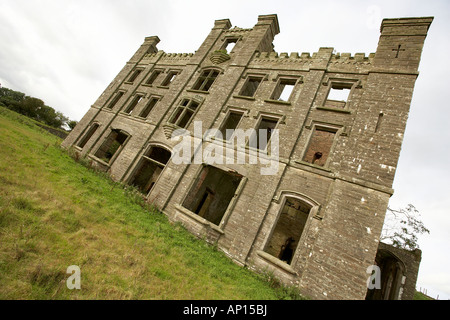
328	129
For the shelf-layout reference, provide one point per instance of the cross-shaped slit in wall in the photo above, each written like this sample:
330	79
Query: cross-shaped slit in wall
398	50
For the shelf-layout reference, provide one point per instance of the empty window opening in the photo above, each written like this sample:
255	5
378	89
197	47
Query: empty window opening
380	119
320	146
115	99
230	125
134	103
149	169
264	132
338	95
212	193
153	77
112	145
289	227
135	74
88	135
169	79
229	45
250	87
206	80
149	107
184	113
283	90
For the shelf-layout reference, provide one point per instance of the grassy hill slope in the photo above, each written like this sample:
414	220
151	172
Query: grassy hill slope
54	213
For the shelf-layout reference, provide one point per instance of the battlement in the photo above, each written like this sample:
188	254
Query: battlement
169	58
306	57
177	55
348	58
168	55
294	56
238	30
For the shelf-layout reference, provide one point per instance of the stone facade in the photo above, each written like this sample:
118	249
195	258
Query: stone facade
335	161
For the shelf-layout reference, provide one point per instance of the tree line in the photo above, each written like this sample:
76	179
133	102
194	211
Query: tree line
34	108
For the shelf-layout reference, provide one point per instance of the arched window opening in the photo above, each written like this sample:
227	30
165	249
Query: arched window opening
289	227
149	168
392	272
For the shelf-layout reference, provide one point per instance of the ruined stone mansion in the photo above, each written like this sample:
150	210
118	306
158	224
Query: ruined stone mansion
331	124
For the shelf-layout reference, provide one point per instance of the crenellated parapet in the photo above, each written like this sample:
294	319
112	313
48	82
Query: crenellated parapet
238	30
273	59
358	61
167	58
349	59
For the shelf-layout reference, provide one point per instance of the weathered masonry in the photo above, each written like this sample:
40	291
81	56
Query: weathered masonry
316	221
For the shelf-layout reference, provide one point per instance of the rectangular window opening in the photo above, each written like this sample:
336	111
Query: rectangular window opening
149	107
184	113
88	135
250	87
116	99
169	79
134	103
230	125
284	90
111	145
212	193
153	77
135	74
319	147
206	80
263	133
338	95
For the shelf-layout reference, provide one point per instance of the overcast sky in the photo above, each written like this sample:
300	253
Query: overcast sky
67	52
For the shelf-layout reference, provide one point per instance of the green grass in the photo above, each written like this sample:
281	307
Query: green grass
55	212
421	296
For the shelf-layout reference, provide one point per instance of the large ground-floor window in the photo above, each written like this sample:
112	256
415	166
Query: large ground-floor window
112	145
212	193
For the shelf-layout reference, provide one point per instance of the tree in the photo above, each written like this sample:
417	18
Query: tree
11	94
32	107
71	124
402	227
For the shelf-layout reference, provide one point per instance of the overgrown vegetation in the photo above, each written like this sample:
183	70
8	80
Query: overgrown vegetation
402	228
55	212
